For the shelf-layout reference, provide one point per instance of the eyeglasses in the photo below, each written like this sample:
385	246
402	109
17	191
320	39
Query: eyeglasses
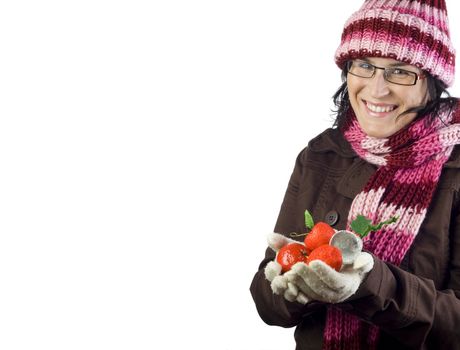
393	75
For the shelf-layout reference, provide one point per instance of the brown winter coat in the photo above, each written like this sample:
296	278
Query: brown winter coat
416	305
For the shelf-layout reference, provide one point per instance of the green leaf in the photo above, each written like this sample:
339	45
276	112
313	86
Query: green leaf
361	225
309	223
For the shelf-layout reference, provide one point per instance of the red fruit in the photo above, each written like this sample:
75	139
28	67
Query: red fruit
328	254
319	235
290	254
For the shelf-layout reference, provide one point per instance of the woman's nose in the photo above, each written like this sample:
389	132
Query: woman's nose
378	85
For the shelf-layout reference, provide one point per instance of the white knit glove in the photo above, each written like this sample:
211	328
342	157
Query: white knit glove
318	281
282	284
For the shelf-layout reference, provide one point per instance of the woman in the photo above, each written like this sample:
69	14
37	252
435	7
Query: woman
392	153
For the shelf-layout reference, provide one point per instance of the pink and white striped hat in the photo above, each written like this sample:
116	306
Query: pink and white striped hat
411	31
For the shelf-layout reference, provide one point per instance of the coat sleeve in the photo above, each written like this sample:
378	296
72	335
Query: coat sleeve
410	308
272	308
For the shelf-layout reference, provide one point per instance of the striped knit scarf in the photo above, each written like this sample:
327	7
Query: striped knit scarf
409	166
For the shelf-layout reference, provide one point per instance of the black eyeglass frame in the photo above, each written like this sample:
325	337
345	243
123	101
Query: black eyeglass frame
385	70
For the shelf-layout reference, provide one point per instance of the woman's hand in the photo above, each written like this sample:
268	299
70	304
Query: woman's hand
282	284
318	281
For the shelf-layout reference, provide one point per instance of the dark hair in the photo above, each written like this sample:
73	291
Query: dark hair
436	91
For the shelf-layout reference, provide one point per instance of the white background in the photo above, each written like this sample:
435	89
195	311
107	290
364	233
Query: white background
145	148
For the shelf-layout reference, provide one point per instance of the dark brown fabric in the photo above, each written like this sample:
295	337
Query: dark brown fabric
416	305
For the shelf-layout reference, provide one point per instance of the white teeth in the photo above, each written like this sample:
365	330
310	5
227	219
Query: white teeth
379	109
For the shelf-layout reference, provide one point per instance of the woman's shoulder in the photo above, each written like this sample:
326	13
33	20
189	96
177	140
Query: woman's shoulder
330	140
328	148
451	174
454	159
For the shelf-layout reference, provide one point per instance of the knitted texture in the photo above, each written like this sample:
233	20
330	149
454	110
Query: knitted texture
409	166
412	31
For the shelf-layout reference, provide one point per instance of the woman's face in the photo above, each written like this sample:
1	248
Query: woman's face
377	103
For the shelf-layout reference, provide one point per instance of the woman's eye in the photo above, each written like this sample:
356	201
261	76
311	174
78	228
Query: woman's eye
364	65
400	72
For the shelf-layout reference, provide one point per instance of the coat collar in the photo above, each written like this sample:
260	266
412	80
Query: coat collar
454	160
332	140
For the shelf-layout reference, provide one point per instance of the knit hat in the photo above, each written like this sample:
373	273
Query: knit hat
412	31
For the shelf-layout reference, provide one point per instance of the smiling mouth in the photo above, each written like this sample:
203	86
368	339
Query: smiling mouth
380	108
